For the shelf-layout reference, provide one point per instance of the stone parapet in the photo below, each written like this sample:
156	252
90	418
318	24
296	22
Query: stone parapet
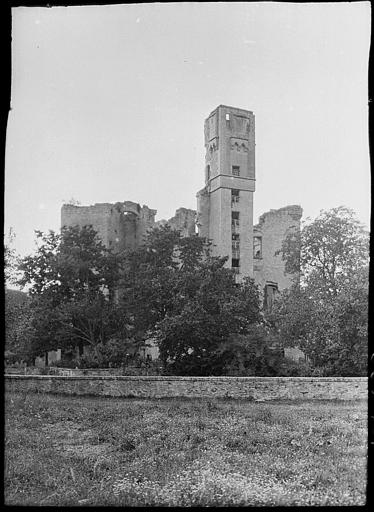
249	388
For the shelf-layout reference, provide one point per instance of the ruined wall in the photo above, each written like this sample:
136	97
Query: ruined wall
295	354
273	226
203	209
119	226
98	216
124	225
248	388
184	221
146	222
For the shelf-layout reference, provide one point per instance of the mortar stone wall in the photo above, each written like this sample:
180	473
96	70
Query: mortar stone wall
184	221
124	225
119	226
250	388
273	228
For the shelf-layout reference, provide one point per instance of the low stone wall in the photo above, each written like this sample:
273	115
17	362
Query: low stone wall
250	388
26	370
103	372
76	372
79	372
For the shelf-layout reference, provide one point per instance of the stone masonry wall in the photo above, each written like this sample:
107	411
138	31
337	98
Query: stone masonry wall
124	225
250	388
273	227
184	221
120	226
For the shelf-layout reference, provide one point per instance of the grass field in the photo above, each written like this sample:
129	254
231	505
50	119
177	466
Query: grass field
99	451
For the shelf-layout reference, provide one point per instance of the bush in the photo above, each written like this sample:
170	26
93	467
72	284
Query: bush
290	368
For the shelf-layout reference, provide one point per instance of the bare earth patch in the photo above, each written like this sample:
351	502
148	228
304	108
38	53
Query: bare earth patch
63	451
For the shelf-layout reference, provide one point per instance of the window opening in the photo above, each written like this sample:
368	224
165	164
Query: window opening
235	221
236	253
269	295
228	122
235	264
236	170
234	196
208	172
257	247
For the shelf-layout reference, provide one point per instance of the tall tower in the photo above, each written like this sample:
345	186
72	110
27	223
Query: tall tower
225	204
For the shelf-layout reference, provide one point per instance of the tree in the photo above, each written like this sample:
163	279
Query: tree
328	251
175	291
72	279
18	313
18	328
69	265
326	314
148	286
11	258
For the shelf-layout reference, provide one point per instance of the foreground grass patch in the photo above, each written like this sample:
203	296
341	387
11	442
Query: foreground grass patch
93	451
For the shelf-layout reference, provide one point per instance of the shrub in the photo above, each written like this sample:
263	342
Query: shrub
290	368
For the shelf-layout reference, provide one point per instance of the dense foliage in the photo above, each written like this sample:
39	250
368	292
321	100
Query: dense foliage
188	300
326	314
170	289
70	280
18	316
173	291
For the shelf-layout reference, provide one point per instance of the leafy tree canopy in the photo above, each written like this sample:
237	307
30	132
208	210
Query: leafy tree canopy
326	315
328	251
11	258
186	298
71	280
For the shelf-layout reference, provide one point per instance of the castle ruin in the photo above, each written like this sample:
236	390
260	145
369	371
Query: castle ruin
224	209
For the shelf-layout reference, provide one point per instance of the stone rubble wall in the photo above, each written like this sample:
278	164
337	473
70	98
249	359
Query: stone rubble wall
273	227
250	388
184	221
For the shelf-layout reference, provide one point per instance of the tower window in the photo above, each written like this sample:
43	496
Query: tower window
234	196
257	247
235	236
235	264
235	254
234	221
227	117
235	249
236	170
208	172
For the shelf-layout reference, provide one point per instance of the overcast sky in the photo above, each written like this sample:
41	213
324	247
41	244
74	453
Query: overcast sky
108	104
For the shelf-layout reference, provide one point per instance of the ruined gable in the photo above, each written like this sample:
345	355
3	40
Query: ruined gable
184	221
268	235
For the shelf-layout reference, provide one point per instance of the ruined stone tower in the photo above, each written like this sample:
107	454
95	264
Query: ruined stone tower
225	204
224	209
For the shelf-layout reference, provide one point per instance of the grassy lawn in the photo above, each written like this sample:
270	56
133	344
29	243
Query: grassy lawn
99	451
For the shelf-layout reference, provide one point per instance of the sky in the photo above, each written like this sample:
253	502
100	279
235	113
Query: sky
108	104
